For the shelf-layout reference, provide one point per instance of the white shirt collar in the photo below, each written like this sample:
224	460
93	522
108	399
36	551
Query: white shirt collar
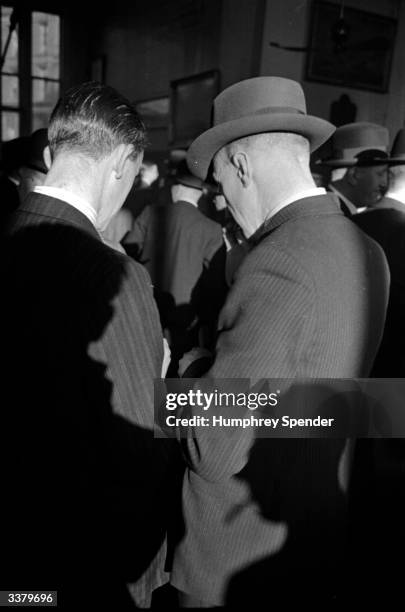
67	196
188	201
352	208
307	193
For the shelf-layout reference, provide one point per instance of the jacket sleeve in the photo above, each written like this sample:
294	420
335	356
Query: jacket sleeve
265	327
133	346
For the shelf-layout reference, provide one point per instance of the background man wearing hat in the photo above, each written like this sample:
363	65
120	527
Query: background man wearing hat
294	310
385	223
184	253
33	170
383	501
359	165
24	168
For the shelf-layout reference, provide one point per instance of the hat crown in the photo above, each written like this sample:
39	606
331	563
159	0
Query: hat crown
398	148
257	96
361	135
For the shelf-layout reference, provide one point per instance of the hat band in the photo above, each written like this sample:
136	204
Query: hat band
350	154
267	110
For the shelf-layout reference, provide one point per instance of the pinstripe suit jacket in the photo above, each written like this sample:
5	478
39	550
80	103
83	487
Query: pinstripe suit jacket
83	340
309	300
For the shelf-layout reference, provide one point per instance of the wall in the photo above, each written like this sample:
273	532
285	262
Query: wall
287	22
155	43
149	44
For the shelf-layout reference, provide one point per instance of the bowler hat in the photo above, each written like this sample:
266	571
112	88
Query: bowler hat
36	145
398	148
254	106
358	144
188	180
26	151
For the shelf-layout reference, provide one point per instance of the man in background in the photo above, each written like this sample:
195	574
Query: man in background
359	165
184	253
384	221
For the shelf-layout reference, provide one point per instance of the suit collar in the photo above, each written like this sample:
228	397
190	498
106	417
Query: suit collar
388	202
322	205
184	201
58	210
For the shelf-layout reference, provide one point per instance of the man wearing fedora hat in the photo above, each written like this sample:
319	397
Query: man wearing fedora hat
385	223
383	501
184	253
359	165
34	170
395	196
294	310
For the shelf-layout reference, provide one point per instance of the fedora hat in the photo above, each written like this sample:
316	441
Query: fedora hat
184	177
254	106
398	148
358	144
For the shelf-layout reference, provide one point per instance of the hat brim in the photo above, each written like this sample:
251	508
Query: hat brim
396	160
349	163
337	163
204	148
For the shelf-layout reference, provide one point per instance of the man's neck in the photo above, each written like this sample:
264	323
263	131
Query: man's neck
76	177
287	193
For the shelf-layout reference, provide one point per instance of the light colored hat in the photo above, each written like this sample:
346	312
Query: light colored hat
398	149
254	106
358	144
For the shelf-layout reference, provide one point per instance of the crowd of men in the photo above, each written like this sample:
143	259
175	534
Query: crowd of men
305	283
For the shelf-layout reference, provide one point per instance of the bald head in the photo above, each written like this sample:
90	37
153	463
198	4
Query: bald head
258	173
262	146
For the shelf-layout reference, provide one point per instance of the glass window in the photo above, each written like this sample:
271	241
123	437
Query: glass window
10	125
33	51
11	62
44	97
45	45
9	90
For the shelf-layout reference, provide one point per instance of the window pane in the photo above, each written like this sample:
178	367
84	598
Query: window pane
10	125
11	63
45	94
9	90
45	45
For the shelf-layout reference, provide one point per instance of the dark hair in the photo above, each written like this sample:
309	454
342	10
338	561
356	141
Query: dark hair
94	119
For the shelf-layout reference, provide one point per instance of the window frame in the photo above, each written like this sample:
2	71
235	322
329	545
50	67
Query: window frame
25	75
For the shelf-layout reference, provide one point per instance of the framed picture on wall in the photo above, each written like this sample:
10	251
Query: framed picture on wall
154	112
351	48
191	106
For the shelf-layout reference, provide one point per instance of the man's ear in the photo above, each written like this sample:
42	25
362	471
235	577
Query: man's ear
123	154
47	157
352	176
240	161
